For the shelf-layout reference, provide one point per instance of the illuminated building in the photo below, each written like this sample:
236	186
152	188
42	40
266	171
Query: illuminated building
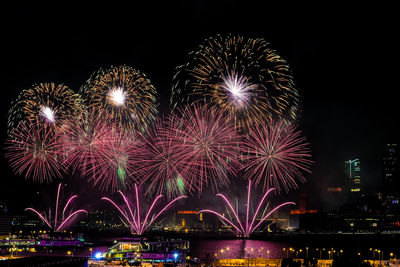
189	220
391	185
300	216
334	189
352	175
391	169
102	220
302	207
5	221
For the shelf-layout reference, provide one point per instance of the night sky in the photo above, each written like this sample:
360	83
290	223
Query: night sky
344	62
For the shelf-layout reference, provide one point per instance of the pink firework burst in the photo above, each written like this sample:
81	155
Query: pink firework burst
131	214
112	167
210	143
85	138
36	150
60	220
245	227
276	154
161	161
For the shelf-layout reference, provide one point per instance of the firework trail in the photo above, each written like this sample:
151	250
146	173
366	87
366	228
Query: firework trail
243	77
132	214
244	228
47	102
276	154
35	148
210	146
123	94
60	220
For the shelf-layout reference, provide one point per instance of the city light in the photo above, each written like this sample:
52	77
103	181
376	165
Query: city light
98	255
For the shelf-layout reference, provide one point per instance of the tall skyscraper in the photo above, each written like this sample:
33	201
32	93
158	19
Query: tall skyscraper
352	175
391	169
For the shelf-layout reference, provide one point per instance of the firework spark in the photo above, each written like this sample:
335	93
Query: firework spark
244	77
35	148
48	114
210	146
117	96
276	155
45	102
239	88
132	215
61	220
123	94
248	226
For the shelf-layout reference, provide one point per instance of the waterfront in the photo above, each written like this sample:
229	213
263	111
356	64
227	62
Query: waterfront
224	251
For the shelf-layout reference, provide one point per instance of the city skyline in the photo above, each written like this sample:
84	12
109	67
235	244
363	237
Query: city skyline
343	114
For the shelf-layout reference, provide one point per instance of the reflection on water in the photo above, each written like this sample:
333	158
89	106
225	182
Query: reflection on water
238	248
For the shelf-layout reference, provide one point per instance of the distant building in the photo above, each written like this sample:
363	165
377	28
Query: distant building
334	189
302	206
5	221
333	198
391	169
189	219
352	176
102	220
297	216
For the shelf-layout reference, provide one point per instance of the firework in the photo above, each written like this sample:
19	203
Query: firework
85	137
123	94
161	163
276	154
111	165
244	77
60	220
249	225
132	215
35	148
210	146
47	102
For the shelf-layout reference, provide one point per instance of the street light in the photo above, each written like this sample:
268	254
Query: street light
287	252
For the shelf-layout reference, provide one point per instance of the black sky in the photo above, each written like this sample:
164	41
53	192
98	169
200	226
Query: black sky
344	60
